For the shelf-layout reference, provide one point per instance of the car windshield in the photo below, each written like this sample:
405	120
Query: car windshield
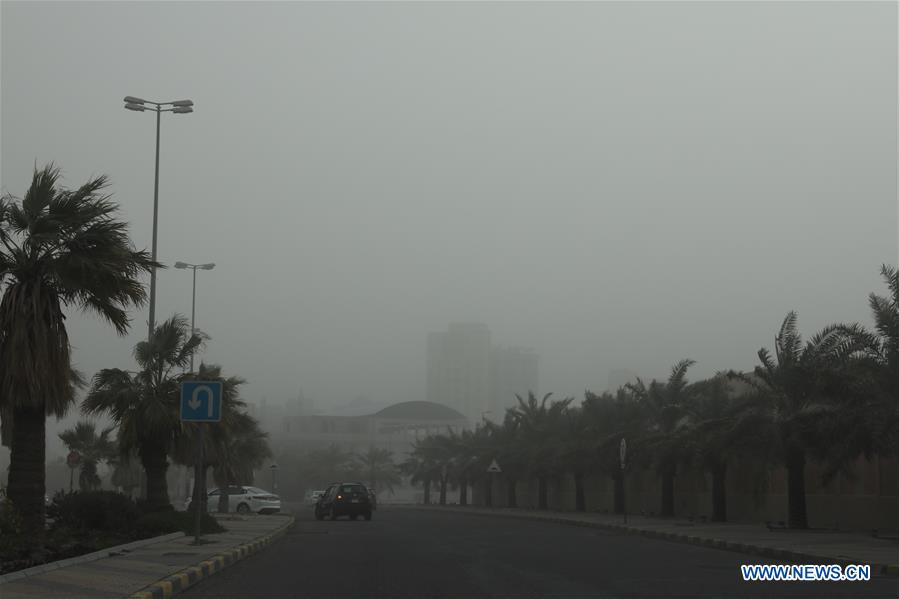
352	489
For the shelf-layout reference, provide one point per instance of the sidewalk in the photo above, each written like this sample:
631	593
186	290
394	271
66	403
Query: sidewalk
810	547
158	569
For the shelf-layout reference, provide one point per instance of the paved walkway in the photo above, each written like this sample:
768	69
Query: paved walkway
152	570
812	546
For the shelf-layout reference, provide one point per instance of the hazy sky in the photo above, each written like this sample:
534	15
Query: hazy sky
615	185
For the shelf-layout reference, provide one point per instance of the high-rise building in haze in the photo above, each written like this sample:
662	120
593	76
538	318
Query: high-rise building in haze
458	368
467	373
513	371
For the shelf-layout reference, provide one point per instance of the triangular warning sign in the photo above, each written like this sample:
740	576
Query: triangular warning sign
493	467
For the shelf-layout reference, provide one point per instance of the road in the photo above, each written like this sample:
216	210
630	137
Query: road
419	554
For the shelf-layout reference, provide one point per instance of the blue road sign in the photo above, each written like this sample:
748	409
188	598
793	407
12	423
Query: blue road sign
201	401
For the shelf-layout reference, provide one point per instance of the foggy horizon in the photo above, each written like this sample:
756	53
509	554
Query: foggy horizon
611	190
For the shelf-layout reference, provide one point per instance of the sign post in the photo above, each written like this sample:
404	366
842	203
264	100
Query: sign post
201	402
622	458
492	469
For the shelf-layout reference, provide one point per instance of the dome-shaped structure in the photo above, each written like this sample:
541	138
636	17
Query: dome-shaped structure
419	410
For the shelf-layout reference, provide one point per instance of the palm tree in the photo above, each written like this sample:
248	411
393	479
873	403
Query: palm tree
417	469
427	463
611	418
238	452
475	450
663	407
869	424
577	450
221	440
377	464
126	473
540	436
59	249
797	398
145	404
505	441
318	467
711	437
93	448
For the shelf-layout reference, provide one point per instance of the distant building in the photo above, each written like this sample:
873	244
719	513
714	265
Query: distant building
458	368
394	428
466	372
513	371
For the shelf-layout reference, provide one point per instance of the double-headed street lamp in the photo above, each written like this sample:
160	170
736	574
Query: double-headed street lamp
177	107
193	303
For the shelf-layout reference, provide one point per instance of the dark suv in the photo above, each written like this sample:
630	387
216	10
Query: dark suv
344	499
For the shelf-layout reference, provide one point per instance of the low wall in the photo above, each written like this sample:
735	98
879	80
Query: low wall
868	500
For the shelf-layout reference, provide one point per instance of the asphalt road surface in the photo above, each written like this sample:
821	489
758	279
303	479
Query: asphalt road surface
421	554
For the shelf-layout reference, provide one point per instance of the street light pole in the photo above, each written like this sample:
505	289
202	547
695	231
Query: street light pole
152	321
193	316
177	107
193	303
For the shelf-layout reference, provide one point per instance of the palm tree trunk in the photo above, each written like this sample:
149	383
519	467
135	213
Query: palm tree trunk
797	515
542	502
443	490
510	493
668	492
719	492
26	470
427	487
580	499
154	459
618	499
463	492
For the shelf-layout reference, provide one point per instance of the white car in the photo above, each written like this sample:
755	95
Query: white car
245	500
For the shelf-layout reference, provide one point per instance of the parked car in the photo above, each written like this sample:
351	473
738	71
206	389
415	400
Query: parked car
244	500
312	497
344	499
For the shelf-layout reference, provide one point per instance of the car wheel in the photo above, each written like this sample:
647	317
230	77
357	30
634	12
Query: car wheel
319	516
333	514
243	509
367	515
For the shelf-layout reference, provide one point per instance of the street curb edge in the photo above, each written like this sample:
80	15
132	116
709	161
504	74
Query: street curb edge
187	577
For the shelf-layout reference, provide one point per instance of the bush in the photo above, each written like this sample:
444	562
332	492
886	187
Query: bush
160	523
11	541
106	511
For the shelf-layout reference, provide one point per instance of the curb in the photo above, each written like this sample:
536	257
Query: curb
771	552
186	578
87	557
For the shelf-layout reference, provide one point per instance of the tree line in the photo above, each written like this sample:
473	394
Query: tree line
831	399
63	250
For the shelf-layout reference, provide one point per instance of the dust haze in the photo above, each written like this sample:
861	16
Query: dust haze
617	186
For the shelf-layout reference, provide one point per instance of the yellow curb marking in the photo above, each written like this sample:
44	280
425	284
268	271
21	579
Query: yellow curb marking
166	587
142	595
185	580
